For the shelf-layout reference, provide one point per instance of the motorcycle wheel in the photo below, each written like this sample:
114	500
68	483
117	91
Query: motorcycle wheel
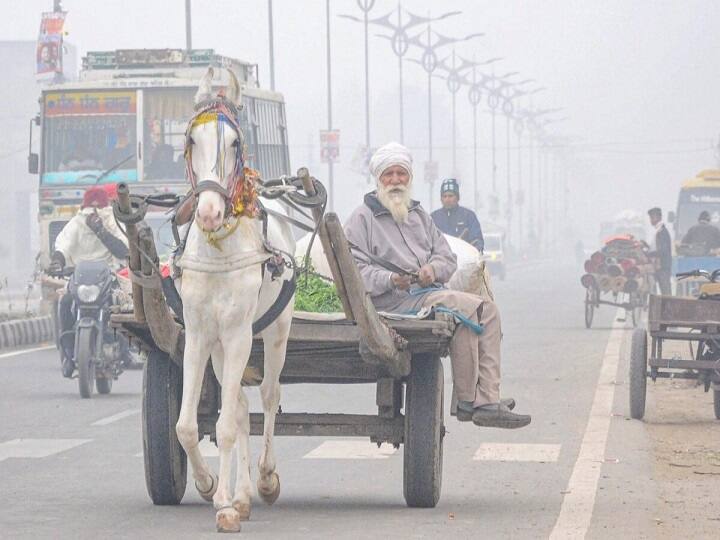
84	352
103	385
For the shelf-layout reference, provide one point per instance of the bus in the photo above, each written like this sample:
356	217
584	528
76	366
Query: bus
124	120
698	194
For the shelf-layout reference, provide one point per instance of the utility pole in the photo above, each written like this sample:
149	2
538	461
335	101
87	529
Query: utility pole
272	45
188	26
329	105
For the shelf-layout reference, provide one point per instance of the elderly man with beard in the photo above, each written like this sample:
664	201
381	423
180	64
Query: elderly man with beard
392	228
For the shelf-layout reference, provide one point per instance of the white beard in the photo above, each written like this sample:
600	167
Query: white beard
396	199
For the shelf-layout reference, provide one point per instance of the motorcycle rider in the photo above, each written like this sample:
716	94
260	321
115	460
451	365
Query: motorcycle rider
91	235
457	220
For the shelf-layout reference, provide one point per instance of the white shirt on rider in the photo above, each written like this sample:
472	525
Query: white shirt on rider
77	242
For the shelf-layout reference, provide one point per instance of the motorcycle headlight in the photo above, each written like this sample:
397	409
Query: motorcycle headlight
88	293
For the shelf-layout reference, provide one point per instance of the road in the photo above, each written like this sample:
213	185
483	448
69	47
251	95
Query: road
72	468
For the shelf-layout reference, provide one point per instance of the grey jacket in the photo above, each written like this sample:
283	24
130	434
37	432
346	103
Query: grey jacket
409	245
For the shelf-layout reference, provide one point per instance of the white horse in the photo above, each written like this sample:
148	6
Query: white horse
223	291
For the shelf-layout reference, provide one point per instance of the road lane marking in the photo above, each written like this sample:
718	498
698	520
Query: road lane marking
540	453
578	503
26	351
115	417
351	450
37	448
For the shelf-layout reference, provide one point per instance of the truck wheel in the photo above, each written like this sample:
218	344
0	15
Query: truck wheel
638	373
424	432
84	358
165	459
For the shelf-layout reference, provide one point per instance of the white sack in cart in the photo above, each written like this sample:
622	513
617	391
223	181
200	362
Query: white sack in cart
471	275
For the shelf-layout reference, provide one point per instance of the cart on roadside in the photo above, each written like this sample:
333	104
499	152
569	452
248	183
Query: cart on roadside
400	357
619	275
673	318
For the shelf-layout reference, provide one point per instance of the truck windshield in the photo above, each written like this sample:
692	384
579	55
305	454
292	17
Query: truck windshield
85	133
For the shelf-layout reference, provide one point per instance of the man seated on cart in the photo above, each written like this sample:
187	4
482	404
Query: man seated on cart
404	262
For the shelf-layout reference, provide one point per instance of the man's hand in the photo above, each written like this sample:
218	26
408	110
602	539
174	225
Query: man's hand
426	276
57	263
94	221
401	282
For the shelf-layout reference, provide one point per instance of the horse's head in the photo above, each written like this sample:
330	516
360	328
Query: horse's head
213	151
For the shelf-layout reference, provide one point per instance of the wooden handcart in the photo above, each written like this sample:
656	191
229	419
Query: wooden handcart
402	358
672	318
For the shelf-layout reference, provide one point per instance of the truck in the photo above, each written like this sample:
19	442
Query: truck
124	119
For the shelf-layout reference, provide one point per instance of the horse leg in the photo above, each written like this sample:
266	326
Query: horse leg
241	499
275	340
238	343
197	350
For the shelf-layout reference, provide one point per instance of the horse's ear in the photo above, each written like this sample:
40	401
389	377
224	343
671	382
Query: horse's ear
205	89
234	94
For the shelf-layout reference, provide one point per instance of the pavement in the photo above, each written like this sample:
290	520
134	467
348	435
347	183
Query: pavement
72	468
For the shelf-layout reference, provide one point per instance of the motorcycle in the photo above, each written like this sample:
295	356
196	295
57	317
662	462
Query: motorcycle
91	346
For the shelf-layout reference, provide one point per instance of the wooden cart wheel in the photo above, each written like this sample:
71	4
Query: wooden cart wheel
165	459
638	373
424	432
716	403
589	306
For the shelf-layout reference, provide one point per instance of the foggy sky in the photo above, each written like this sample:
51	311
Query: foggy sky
637	81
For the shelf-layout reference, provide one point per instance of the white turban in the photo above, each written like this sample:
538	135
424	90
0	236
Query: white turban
391	154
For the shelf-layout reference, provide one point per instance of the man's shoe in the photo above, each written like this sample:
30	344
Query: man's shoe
499	416
465	415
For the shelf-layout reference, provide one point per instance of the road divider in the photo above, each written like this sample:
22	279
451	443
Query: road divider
30	331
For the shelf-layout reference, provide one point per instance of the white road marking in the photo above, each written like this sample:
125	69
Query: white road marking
350	450
37	448
541	453
207	449
577	506
115	417
26	351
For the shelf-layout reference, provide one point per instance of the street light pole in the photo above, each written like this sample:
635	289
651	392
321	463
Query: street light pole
188	26
272	45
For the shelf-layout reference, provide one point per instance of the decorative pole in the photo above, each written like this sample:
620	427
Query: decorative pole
331	190
365	6
399	41
429	61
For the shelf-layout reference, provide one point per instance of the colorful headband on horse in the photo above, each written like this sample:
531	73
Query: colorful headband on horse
239	189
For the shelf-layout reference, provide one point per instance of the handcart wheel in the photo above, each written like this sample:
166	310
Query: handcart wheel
590	299
638	373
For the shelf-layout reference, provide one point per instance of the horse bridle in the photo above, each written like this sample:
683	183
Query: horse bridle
223	112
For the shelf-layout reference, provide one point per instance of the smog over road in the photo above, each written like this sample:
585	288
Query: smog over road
466	251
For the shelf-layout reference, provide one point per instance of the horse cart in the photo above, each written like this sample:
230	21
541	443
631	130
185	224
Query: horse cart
672	318
400	357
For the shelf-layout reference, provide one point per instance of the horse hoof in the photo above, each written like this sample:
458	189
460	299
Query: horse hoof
243	509
208	495
227	520
270	491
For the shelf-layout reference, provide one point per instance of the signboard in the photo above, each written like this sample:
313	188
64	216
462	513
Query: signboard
431	171
329	145
49	45
89	103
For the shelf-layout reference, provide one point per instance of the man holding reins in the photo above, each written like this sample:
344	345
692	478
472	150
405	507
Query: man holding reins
392	228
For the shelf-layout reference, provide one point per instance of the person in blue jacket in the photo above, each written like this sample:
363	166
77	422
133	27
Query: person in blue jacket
457	220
